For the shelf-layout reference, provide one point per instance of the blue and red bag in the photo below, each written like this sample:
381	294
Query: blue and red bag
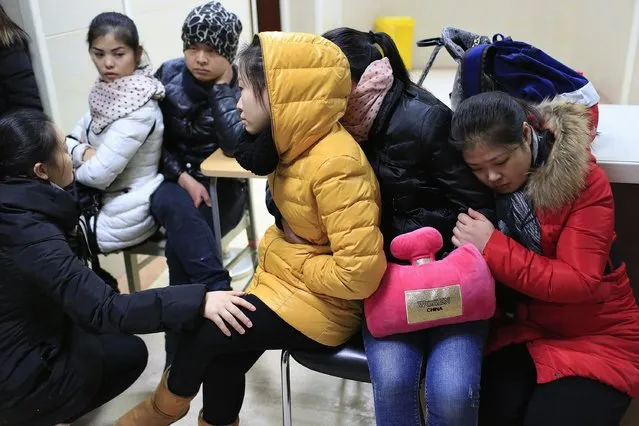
524	72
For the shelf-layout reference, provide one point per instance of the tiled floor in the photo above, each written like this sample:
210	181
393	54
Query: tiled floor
318	400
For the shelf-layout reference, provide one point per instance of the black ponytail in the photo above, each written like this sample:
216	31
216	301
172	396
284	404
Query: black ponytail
361	49
392	53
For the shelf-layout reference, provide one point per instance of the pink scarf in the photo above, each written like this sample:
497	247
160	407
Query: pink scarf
110	101
366	99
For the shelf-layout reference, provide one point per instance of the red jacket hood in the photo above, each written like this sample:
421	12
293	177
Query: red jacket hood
561	178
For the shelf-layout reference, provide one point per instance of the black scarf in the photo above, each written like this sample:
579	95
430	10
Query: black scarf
258	154
517	219
516	212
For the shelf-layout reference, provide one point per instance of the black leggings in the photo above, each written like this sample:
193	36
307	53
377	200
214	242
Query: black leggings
510	395
219	362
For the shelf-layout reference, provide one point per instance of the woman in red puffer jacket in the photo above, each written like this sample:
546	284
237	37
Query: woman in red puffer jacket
565	346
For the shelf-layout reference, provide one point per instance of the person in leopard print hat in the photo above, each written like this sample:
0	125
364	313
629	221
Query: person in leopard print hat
200	115
213	25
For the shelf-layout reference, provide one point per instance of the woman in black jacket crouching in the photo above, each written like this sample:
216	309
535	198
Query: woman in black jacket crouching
65	343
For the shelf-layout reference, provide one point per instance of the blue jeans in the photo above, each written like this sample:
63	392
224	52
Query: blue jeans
452	358
191	251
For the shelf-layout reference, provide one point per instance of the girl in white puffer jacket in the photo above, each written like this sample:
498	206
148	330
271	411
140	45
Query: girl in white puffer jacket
116	146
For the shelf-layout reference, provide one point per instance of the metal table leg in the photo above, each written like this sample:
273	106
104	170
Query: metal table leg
132	272
251	231
215	210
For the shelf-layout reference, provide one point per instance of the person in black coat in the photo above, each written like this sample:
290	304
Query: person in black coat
65	336
18	87
404	131
423	178
200	116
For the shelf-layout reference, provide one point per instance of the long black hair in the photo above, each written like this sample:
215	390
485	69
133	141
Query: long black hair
363	48
27	137
122	27
11	35
250	62
493	117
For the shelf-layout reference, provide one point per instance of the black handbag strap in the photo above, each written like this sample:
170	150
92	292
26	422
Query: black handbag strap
438	43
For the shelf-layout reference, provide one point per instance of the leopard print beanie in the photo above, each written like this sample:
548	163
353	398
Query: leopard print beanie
212	24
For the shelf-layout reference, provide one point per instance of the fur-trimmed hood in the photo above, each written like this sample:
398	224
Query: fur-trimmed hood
561	177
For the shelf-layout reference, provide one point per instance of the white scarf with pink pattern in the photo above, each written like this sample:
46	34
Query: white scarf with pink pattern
111	100
366	99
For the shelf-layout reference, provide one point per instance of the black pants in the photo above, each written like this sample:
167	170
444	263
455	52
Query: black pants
191	252
124	360
119	360
206	356
510	396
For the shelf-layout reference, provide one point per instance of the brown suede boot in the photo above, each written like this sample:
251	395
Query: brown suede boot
160	409
201	422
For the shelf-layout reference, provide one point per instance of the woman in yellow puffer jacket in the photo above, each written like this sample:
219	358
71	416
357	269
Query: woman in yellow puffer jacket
307	295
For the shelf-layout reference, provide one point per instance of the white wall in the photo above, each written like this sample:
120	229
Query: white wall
634	85
298	15
631	82
590	35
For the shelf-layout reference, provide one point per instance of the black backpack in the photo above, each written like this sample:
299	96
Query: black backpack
84	242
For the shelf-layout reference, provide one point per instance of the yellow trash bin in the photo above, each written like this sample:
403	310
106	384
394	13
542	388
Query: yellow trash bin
401	30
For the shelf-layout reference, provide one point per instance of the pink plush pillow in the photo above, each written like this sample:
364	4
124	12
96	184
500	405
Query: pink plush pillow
429	293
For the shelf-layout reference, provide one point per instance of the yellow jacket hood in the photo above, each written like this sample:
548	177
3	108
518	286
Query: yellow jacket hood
307	93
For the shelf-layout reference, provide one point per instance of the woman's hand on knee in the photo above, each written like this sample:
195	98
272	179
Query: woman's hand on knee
223	307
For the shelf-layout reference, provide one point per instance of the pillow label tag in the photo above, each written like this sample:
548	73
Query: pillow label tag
433	304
